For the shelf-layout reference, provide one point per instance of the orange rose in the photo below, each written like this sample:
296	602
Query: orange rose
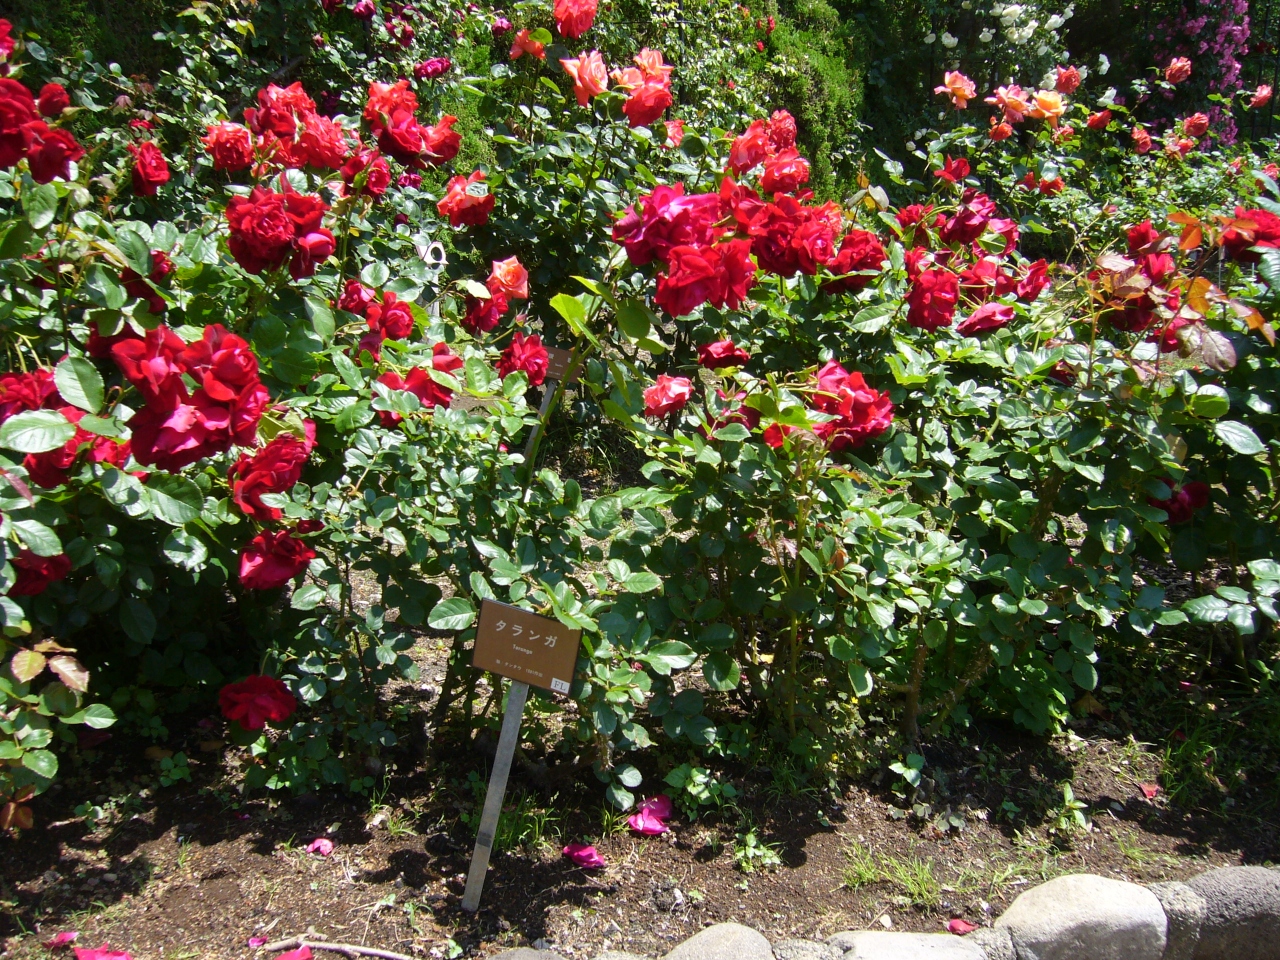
524	43
1047	105
574	17
958	87
1000	131
589	74
651	65
1179	69
1196	125
509	278
1141	140
1013	101
465	202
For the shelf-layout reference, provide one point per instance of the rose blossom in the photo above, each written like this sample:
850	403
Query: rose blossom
509	278
36	573
1183	501
1178	70
1012	101
230	145
784	172
53	100
50	152
1261	97
150	170
1067	81
646	102
958	87
749	148
860	252
273	469
370	165
527	354
1099	120
1047	105
932	299
524	43
1141	140
589	74
667	395
431	68
1196	125
574	17
269	561
862	413
722	353
675	133
255	700
421	384
463	206
989	316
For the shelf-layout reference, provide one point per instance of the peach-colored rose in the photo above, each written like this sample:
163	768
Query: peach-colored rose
1178	70
1013	101
524	43
589	74
510	278
1261	97
1047	105
958	87
1196	125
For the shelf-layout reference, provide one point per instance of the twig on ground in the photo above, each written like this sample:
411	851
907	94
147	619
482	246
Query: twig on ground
350	949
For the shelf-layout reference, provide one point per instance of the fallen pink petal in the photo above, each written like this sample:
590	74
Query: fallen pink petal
302	953
659	806
64	939
1149	790
584	856
647	823
320	845
103	952
961	927
256	942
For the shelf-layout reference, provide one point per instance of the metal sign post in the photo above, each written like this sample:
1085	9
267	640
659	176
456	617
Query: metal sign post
528	649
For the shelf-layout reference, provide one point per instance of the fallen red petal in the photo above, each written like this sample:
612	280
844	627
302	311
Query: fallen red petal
961	927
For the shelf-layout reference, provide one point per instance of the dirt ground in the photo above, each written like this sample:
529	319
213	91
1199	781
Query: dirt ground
189	870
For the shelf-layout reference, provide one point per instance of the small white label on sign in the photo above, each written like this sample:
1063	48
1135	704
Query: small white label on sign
559	686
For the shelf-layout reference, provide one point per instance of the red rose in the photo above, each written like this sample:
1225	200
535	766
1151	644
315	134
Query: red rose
862	413
1099	120
273	469
984	279
53	100
527	354
483	313
373	167
749	148
953	171
323	143
772	229
646	102
272	559
1000	131
221	362
782	130
420	383
172	439
246	413
391	317
690	280
860	253
667	395
1251	228
737	273
912	214
261	232
356	298
989	316
1068	80
432	68
666	219
36	573
27	391
255	700
574	17
722	353
1167	337
1196	125
17	108
385	99
441	142
150	169
50	152
970	220
154	365
280	109
784	172
7	43
815	243
1141	141
464	203
1183	502
230	145
50	468
402	138
932	299
1032	285
311	250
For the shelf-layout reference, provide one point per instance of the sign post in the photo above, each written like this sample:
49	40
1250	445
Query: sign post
528	649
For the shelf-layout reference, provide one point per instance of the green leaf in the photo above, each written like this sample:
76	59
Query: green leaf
456	613
41	205
137	620
481	378
294	366
97	716
633	319
322	321
1238	437
1210	402
40	540
670	655
375	274
1084	674
36	431
185	550
733	432
641	582
306	597
1207	609
126	492
175	500
628	775
861	679
79	383
573	311
721	671
1265	569
619	796
1233	594
872	319
136	250
41	762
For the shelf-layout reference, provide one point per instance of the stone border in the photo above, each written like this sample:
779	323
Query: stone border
1232	913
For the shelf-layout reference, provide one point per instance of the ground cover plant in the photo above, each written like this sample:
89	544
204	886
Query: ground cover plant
974	441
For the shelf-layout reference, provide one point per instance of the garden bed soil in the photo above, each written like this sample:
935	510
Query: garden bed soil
175	873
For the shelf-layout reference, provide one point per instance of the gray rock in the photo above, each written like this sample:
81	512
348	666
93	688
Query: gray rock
1084	917
528	953
805	950
883	945
995	943
724	941
620	955
1242	914
843	940
1185	911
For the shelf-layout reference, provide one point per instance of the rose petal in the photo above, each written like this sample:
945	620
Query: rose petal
320	845
584	856
1149	790
646	823
256	942
961	927
659	806
61	939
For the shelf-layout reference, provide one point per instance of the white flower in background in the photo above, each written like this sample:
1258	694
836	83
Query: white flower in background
1050	79
986	36
1040	52
919	134
1108	99
1011	13
930	37
1083	70
911	146
1103	64
1054	22
942	114
966	5
948	40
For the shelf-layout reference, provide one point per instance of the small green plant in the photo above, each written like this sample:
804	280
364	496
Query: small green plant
862	869
750	852
698	787
910	770
173	769
612	820
522	823
1071	817
916	879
